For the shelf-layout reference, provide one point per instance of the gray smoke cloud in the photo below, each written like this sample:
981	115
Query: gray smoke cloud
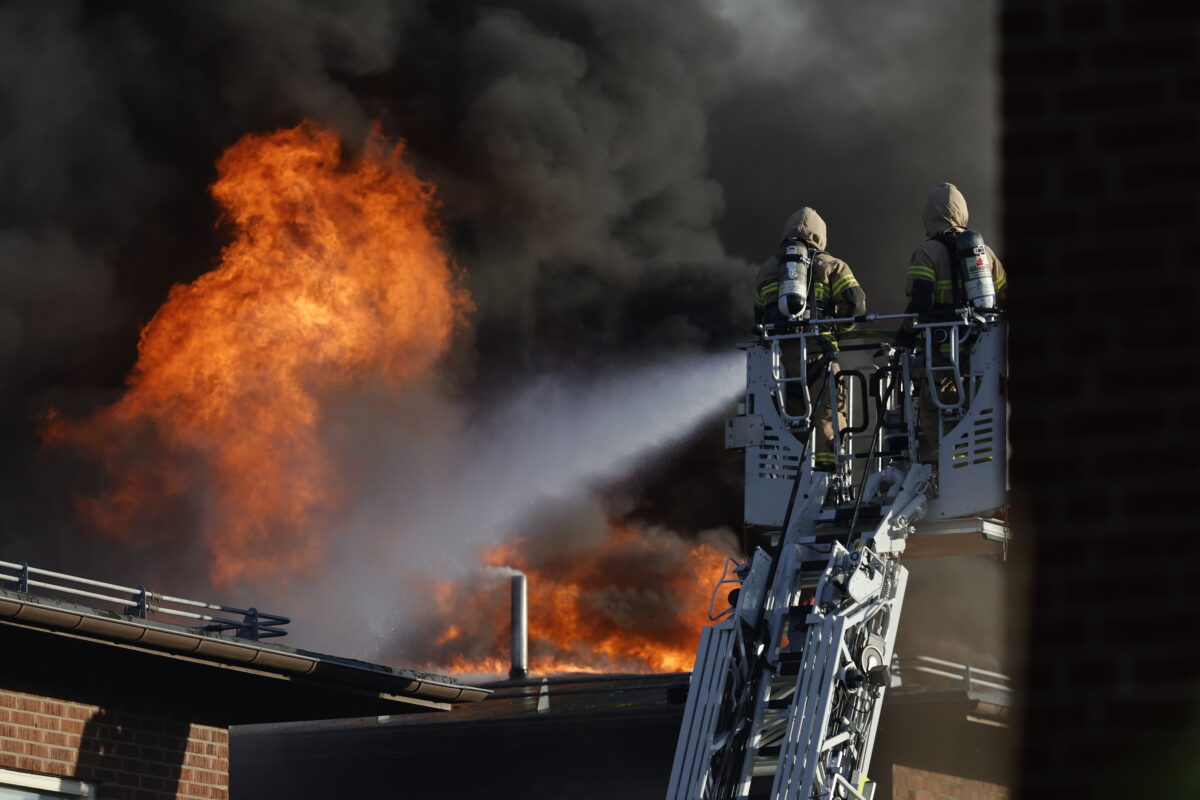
573	161
857	109
609	173
435	497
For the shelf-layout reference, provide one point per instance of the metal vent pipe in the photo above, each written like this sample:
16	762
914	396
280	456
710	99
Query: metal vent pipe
520	628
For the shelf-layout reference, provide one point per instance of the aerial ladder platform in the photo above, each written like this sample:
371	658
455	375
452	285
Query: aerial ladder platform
789	680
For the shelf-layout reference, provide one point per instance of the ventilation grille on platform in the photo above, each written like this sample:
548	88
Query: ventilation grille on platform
775	461
977	444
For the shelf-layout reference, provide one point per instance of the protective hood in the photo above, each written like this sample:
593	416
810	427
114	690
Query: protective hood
945	207
808	225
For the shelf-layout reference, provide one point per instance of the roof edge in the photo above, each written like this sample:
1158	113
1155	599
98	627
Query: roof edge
125	630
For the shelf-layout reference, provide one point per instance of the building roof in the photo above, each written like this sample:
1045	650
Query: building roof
241	680
578	736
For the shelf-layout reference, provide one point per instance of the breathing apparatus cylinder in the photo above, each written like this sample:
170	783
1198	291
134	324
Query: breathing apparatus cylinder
795	262
975	269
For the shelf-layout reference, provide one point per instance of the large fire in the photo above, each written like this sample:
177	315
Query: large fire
636	604
335	275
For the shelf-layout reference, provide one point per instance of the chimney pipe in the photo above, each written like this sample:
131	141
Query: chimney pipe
520	629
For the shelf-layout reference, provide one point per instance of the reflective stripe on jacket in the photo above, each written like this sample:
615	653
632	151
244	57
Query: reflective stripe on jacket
835	291
945	210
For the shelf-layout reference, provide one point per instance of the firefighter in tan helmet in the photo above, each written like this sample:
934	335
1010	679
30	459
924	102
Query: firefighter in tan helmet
802	281
951	269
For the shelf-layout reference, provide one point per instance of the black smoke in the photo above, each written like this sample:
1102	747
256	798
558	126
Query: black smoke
609	173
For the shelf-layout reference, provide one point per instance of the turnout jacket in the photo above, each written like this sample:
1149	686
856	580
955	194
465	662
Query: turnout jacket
835	291
945	211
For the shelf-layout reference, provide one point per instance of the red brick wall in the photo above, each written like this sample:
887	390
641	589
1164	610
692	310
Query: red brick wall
919	784
1101	161
128	756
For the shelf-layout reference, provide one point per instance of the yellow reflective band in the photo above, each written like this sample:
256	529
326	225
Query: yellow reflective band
1002	281
921	271
820	291
842	283
822	458
765	292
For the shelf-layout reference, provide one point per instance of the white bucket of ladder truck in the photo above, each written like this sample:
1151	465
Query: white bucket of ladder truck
971	457
787	686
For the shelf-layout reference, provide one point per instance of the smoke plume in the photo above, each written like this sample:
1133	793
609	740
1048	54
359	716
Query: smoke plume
608	173
547	464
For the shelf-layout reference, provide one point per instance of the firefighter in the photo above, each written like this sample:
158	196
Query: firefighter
936	284
802	281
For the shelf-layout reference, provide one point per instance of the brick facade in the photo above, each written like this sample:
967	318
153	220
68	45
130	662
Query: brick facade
1101	191
128	756
909	783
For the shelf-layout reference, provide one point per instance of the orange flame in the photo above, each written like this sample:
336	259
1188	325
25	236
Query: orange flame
636	604
335	275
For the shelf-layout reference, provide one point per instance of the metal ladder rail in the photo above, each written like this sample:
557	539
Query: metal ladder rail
768	724
821	680
895	607
815	678
802	765
711	685
777	610
699	720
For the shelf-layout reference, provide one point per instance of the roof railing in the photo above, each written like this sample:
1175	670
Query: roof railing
961	676
141	602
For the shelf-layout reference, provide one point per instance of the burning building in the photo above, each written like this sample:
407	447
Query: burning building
389	371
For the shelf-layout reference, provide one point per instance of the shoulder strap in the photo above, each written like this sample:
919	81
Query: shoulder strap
812	273
948	239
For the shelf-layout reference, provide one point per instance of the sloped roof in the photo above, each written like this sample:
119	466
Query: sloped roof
275	682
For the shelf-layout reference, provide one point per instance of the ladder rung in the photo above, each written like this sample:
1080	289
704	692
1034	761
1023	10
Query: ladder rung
763	767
